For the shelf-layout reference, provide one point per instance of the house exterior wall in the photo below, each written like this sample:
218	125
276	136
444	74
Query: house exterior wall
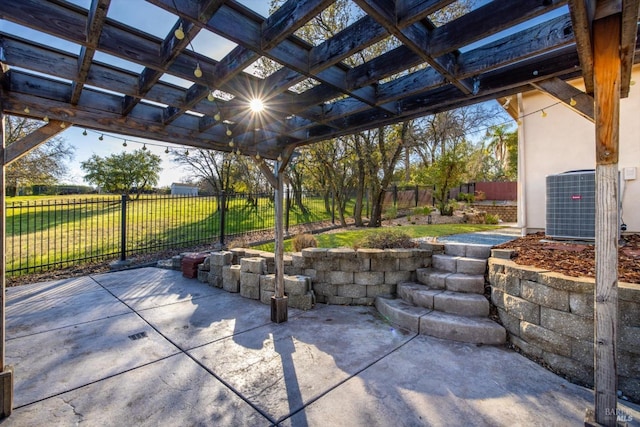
564	141
184	190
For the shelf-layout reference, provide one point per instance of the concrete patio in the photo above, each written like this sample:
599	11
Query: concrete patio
149	347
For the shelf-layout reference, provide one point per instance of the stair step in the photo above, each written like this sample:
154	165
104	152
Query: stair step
467	250
417	294
475	330
458	264
473	305
401	313
455	282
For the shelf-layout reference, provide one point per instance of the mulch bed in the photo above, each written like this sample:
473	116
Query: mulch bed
574	259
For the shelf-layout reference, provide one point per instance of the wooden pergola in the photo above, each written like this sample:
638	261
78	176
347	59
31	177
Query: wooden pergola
498	49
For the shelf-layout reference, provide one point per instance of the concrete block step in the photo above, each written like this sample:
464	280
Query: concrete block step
467	250
464	304
458	264
455	282
417	294
476	330
401	313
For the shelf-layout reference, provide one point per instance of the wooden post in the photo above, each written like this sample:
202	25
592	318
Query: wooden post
279	300
606	58
6	372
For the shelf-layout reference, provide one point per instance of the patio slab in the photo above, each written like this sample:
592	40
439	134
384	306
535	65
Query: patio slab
206	357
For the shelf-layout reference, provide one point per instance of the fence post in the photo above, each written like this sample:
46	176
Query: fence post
395	196
222	207
333	207
123	228
286	215
417	196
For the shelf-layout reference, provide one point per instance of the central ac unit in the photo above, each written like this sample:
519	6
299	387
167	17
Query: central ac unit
571	205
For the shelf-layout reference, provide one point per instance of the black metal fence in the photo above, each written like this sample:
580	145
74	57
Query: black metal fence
52	234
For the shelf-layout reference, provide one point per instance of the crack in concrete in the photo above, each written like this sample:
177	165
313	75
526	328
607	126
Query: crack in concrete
73	408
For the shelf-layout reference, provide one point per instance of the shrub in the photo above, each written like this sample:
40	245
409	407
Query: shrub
386	239
391	213
465	197
480	195
422	210
491	219
302	241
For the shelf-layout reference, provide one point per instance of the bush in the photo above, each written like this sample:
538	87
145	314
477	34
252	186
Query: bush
480	195
391	213
386	239
302	241
466	197
492	219
422	210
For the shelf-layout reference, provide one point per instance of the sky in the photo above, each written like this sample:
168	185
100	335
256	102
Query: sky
151	19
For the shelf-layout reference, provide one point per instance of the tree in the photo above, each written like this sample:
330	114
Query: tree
124	172
213	167
43	165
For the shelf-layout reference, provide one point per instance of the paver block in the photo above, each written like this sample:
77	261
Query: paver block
296	285
255	265
461	303
231	278
401	313
368	277
471	266
444	262
460	328
478	251
465	283
432	278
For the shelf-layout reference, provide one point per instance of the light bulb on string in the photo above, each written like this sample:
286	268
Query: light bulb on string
238	151
231	144
229	133
210	96
63	125
257	156
186	152
217	117
279	158
179	32
124	144
167	150
144	147
573	102
632	82
46	119
26	110
198	71
101	138
543	114
84	133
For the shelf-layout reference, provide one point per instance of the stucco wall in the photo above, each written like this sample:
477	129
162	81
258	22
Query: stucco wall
564	141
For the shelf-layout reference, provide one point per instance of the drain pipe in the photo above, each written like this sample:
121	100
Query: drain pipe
522	183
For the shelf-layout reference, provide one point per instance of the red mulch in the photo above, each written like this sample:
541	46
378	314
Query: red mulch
574	259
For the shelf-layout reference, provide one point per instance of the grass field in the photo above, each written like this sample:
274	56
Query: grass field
348	238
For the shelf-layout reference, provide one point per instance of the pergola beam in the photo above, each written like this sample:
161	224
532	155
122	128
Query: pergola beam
39	136
572	97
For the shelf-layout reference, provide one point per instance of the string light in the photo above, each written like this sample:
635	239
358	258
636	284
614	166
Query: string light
46	119
26	110
210	96
84	133
257	156
186	152
198	71
572	102
124	144
543	114
279	158
101	138
63	125
217	117
179	32
229	133
144	147
632	82
238	151
167	150
231	144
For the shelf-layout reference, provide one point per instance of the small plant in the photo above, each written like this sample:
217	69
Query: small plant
302	241
491	219
422	210
391	213
465	197
387	239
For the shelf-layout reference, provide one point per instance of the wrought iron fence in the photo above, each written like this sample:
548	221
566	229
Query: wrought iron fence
52	234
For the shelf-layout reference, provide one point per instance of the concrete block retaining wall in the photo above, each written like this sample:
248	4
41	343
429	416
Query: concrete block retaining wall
331	276
507	213
549	317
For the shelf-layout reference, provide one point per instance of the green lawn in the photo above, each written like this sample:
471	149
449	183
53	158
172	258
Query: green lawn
348	238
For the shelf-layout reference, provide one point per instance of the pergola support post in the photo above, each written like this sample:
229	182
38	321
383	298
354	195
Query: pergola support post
607	78
6	372
279	300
